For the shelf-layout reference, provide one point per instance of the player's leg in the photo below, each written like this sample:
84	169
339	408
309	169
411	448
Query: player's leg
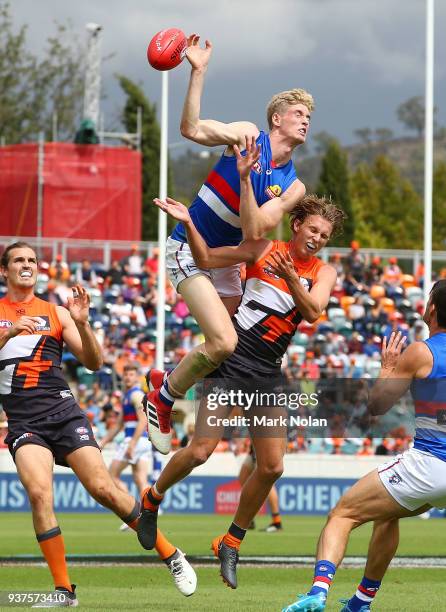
268	468
246	470
116	468
140	470
35	469
88	465
273	502
382	548
179	466
368	500
215	322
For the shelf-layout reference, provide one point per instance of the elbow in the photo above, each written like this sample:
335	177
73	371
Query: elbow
94	364
187	130
313	316
252	234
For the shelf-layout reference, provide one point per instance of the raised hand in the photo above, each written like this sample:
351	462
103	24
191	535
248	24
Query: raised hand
198	57
246	162
282	265
79	304
391	350
174	209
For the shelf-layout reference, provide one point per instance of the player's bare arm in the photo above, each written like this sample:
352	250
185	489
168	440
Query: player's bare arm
398	369
111	435
311	304
23	324
207	131
205	257
257	221
76	330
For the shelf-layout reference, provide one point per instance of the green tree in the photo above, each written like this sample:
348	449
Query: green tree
32	89
439	208
387	208
364	135
150	149
334	182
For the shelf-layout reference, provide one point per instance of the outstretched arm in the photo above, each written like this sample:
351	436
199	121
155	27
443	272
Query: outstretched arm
206	131
204	256
257	221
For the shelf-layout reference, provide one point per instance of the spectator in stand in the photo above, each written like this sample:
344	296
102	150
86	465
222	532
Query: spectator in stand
85	275
373	273
419	274
355	266
121	310
293	369
115	275
396	325
59	270
336	262
51	295
133	264
151	263
392	276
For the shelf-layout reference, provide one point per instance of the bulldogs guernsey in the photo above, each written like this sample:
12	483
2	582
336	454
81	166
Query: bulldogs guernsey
31	380
267	317
215	211
129	413
430	402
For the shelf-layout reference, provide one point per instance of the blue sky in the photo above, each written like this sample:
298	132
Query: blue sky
359	58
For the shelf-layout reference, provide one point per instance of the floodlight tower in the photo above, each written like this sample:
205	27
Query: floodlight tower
92	90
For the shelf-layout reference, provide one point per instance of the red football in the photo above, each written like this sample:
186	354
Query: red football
167	49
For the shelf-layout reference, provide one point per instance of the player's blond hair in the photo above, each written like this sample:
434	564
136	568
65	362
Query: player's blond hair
311	204
280	101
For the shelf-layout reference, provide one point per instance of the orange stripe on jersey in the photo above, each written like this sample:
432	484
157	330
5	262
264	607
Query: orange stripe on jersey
32	369
278	326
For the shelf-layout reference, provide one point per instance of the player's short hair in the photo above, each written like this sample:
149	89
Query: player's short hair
280	101
312	204
131	367
4	261
438	299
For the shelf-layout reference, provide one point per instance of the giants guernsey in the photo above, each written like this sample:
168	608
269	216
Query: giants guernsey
215	211
267	317
31	380
129	413
430	402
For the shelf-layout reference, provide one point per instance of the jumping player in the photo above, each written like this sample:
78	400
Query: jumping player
45	423
270	189
285	284
136	449
409	484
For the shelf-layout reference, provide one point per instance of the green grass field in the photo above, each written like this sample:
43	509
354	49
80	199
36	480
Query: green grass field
261	588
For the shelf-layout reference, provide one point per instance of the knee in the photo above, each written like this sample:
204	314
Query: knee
223	346
40	497
271	471
199	454
342	512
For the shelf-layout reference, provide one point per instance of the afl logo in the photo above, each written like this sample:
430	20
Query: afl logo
4	323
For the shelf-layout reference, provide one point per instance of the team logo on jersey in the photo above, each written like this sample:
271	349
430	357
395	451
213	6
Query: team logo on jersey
257	167
273	191
269	272
43	323
84	437
269	171
65	394
395	479
5	323
20	311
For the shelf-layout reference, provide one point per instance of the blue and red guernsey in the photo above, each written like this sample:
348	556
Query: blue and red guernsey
430	402
215	210
129	413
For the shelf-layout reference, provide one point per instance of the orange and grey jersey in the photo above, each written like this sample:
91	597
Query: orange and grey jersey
267	317
31	380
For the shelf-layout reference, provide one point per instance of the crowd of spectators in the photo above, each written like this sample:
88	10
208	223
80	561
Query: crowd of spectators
371	299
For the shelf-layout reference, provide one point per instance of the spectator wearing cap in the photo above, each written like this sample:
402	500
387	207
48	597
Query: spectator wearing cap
59	269
355	265
392	276
373	273
151	263
396	325
133	264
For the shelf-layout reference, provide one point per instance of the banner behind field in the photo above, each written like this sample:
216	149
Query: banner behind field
196	494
